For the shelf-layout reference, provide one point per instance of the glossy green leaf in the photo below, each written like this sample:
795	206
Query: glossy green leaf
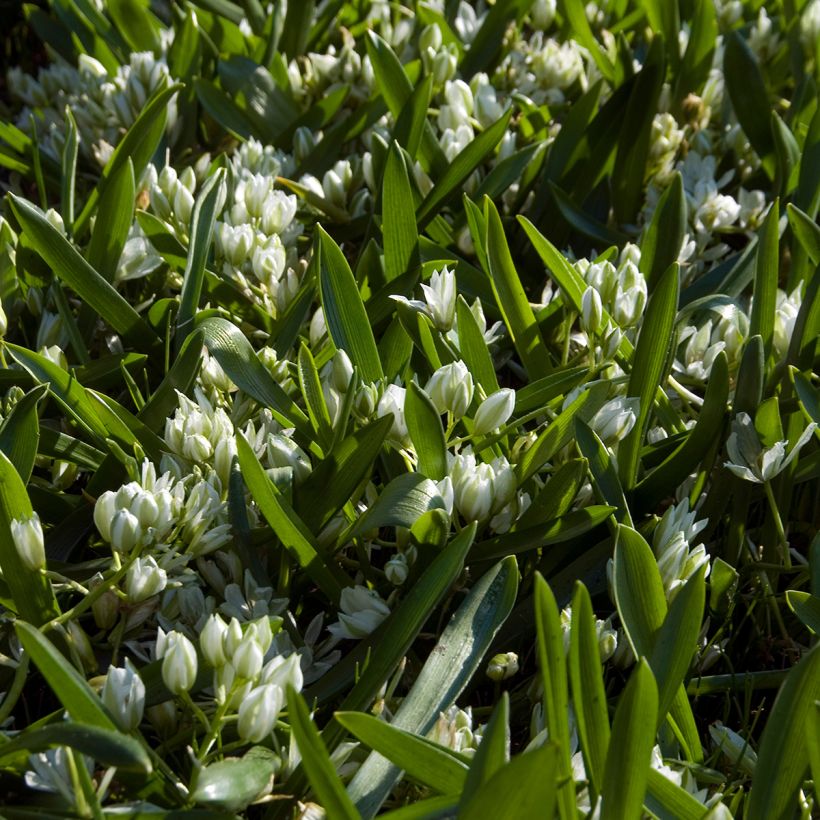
806	230
473	348
575	12
633	736
663	238
114	218
807	608
767	267
426	432
493	752
20	432
401	249
235	782
602	468
426	762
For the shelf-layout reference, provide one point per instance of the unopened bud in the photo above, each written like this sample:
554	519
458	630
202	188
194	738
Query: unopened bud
27	534
494	411
502	666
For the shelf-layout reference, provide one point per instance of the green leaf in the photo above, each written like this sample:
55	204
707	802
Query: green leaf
78	698
111	748
485	47
669	801
311	387
697	59
448	669
783	757
316	761
677	640
401	247
235	782
664	18
503	795
552	665
747	91
663	238
512	301
649	368
473	348
229	346
807	608
602	469
588	693
20	432
633	736
289	528
139	28
69	169
426	433
208	203
576	15
806	230
114	217
537	394
426	762
332	483
139	145
400	504
346	318
767	267
61	256
31	592
493	752
460	168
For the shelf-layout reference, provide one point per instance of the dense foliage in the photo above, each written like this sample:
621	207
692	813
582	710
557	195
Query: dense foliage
410	408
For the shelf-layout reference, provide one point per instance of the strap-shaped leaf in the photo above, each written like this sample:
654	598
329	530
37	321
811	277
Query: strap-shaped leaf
401	247
426	432
20	432
493	752
346	318
603	471
767	268
662	240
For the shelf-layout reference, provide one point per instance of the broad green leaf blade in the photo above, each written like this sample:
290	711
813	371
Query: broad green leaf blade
426	432
807	608
400	504
290	530
783	758
473	348
346	318
697	59
235	782
638	589
669	801
20	432
512	301
203	218
426	762
633	736
78	698
767	268
401	246
603	470
552	664
70	267
316	761
662	240
588	693
431	808
525	787
677	640
332	483
448	669
485	46
649	368
806	230
493	752
575	12
229	346
114	218
311	386
111	748
31	592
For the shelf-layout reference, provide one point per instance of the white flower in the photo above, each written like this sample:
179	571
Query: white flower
396	570
362	610
591	311
502	666
212	640
439	299
393	402
750	460
474	492
615	419
494	411
144	579
179	663
451	389
258	712
27	534
125	531
124	695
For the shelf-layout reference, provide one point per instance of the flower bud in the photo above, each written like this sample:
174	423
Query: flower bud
212	641
451	389
502	666
125	531
341	371
494	411
615	419
258	713
179	663
124	696
247	660
282	671
393	402
396	570
4	322
233	637
591	311
27	534
144	579
474	493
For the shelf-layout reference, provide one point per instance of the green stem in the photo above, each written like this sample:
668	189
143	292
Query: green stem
13	694
778	522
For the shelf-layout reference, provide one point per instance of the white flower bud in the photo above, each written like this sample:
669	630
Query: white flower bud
615	419
4	322
212	641
591	311
247	660
183	204
233	637
282	671
451	389
396	570
179	663
145	508
393	402
502	666
494	411
124	696
144	579
258	713
27	534
474	493
125	531
285	452
341	371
